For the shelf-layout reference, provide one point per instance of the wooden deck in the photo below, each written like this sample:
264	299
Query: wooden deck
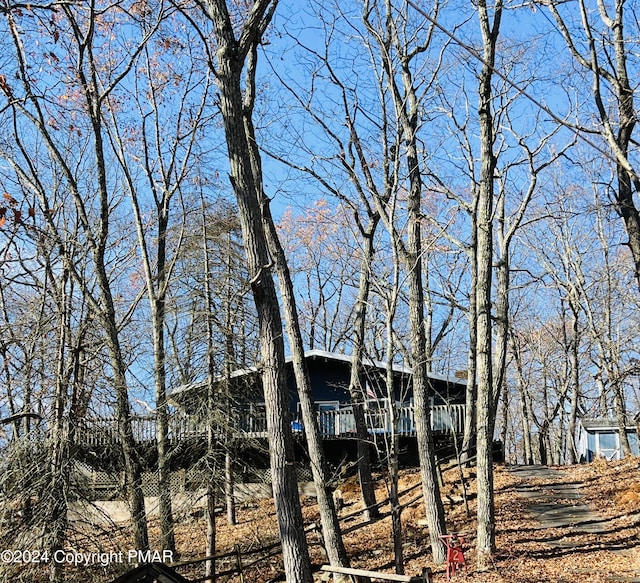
337	424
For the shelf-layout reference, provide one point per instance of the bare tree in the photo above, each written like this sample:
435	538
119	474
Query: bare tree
328	516
46	320
489	17
607	54
386	28
233	49
79	105
164	150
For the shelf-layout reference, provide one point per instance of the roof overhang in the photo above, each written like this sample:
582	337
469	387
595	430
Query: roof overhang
604	424
174	395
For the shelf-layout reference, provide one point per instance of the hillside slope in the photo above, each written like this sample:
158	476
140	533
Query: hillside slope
606	549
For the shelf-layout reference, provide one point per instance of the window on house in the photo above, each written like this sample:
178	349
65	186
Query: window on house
377	415
608	445
591	446
327	416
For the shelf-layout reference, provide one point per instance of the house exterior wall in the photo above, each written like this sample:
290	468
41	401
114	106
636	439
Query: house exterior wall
330	383
329	375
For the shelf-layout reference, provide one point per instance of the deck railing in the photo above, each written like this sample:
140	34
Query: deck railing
337	423
341	422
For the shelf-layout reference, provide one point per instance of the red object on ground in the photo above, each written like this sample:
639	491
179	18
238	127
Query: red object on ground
455	553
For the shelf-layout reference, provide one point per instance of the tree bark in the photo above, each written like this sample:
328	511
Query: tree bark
419	358
485	544
157	300
210	566
231	56
59	464
574	360
393	439
471	393
334	545
356	390
428	471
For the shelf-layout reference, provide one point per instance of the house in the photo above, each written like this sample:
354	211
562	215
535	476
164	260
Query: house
329	375
244	420
600	438
242	423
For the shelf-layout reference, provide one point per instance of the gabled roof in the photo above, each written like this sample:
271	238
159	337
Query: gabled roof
348	358
378	364
334	356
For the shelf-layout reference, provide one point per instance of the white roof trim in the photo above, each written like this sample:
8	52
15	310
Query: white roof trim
603	424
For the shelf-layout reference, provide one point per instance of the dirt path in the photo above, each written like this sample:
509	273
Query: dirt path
555	502
565	527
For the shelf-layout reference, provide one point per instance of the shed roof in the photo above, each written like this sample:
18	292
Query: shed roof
604	424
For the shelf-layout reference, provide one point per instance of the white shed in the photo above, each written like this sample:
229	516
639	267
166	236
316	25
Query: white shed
601	438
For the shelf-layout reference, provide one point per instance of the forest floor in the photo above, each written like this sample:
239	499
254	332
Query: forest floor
596	539
565	524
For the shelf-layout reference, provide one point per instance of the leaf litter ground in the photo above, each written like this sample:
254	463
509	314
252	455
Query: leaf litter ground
527	552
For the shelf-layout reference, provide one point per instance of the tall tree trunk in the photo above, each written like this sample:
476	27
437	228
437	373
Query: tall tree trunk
546	433
229	361
434	509
57	519
357	392
229	482
393	438
420	360
210	566
406	106
334	545
504	430
501	318
526	426
167	537
574	360
133	471
231	55
471	393
524	407
156	287
106	309
485	544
